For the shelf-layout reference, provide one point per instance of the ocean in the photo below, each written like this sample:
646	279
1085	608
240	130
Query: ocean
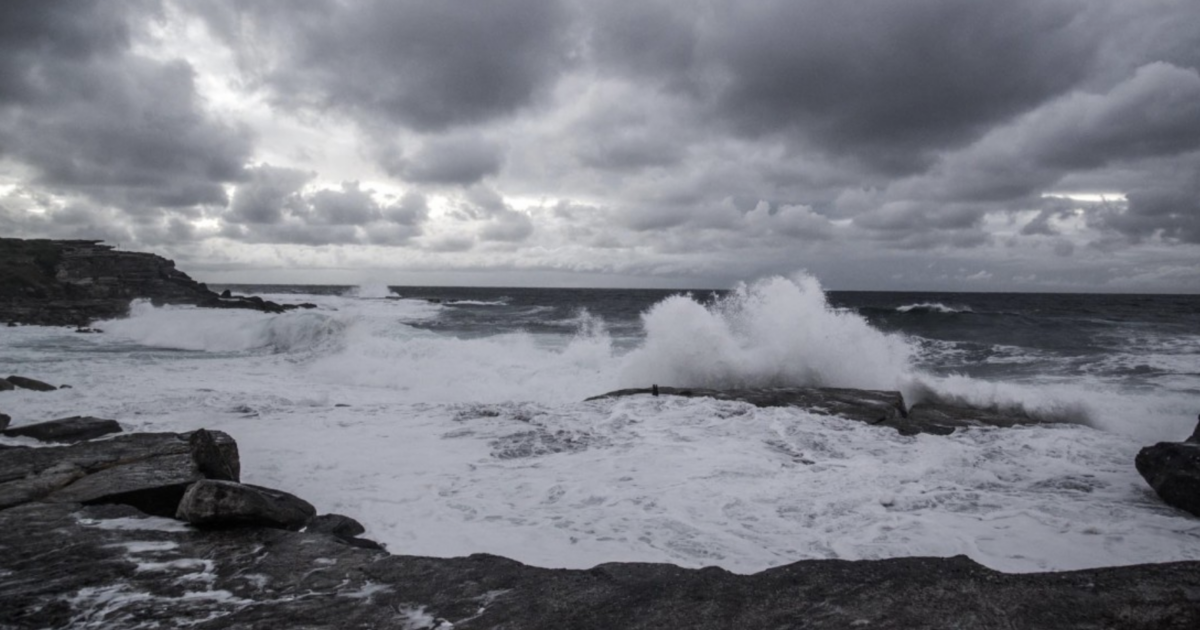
453	420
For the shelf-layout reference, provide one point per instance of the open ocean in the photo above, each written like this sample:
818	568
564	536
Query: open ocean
452	420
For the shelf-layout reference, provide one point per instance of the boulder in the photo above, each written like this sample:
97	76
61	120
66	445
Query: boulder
6	386
67	430
336	524
1173	470
150	471
212	503
30	383
4	420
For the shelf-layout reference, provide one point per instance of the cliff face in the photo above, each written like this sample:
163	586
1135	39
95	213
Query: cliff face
72	283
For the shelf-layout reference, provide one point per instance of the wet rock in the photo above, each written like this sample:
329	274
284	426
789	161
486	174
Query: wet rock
66	430
39	484
870	406
211	459
150	471
4	420
336	524
30	383
943	419
214	503
226	294
1173	470
6	386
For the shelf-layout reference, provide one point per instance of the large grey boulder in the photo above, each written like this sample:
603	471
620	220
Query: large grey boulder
1173	470
30	383
150	471
212	503
67	430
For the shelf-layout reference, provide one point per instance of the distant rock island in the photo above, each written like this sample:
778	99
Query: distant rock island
76	282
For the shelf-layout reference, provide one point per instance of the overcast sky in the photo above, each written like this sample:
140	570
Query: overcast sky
1030	145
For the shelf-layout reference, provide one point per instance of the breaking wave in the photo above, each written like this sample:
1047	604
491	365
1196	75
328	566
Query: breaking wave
774	332
932	307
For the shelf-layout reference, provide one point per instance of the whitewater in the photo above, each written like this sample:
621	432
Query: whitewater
454	423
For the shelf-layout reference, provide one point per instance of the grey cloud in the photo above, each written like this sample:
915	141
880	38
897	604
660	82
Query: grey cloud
413	209
267	193
508	226
89	115
462	160
889	81
423	65
273	207
1171	213
349	206
451	244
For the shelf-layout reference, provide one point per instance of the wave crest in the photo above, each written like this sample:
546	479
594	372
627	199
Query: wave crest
774	332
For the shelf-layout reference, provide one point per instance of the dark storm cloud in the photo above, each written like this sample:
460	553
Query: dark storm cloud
890	81
92	117
423	65
461	160
265	195
272	206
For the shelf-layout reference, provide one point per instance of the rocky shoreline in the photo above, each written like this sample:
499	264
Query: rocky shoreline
76	282
156	530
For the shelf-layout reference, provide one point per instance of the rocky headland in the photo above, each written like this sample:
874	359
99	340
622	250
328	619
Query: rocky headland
76	282
156	530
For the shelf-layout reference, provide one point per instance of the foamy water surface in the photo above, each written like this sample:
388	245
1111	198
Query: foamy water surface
446	443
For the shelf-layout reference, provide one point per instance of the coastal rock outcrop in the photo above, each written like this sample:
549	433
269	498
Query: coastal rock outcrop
880	408
74	282
22	382
872	407
1173	470
150	471
73	429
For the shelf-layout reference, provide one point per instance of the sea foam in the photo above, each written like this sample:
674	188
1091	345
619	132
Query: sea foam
774	332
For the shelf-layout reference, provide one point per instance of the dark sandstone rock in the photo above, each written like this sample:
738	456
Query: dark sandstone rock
336	524
226	294
212	503
64	565
1173	470
4	420
73	429
148	470
30	383
6	386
